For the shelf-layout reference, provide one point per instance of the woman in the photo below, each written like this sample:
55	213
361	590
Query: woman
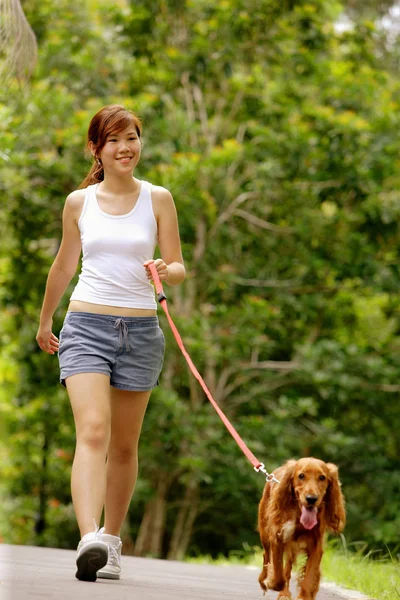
111	347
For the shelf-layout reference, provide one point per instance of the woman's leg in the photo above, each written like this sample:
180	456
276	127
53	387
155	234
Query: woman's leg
89	395
127	413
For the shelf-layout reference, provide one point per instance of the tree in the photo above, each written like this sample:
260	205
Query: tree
277	135
18	47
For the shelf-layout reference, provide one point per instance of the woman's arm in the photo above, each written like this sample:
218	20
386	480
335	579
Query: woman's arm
62	270
170	268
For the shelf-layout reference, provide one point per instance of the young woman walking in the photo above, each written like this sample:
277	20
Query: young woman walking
111	347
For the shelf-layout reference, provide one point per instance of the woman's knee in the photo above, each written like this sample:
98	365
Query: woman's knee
94	434
122	454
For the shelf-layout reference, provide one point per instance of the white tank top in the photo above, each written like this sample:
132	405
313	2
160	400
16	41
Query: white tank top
114	248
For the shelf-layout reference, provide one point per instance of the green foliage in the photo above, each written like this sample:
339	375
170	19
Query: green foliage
376	574
278	137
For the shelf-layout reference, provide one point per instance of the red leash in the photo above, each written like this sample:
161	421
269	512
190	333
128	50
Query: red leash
162	299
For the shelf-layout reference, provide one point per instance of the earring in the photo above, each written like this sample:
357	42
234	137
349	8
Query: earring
98	161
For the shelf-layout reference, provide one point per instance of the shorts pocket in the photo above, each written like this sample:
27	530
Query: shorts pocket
65	332
150	346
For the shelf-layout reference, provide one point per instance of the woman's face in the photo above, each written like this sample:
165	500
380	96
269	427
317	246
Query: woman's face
121	152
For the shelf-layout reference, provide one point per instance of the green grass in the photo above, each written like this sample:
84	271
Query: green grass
377	578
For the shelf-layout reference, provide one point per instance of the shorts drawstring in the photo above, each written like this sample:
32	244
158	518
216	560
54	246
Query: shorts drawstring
123	333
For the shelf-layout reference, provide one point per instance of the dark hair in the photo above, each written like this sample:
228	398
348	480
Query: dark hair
110	119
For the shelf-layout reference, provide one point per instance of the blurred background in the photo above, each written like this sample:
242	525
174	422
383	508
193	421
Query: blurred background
275	125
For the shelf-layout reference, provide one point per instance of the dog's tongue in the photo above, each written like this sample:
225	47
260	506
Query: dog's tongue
308	517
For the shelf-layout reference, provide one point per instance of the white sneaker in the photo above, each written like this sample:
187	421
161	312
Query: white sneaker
92	556
112	570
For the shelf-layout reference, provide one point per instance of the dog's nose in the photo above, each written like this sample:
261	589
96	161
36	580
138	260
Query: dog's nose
311	499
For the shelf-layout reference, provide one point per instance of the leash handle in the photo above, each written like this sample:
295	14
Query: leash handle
157	283
258	466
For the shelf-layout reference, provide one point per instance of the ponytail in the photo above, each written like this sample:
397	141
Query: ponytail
95	175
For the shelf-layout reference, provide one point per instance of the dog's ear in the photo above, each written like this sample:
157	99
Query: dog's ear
334	501
284	495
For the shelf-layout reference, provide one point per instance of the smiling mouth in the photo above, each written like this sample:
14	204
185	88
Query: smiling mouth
125	158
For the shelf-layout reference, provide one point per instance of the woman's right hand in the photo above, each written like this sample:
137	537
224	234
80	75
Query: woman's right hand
46	339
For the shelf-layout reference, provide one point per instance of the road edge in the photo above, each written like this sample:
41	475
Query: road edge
344	592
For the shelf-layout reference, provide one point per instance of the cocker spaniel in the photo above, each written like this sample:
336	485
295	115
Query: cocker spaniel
293	517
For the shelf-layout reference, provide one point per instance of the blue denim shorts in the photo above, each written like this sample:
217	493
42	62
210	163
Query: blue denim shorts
130	350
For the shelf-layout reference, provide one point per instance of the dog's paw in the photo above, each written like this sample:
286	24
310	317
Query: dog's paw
263	586
275	584
285	595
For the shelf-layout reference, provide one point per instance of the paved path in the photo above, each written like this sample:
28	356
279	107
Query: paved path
28	572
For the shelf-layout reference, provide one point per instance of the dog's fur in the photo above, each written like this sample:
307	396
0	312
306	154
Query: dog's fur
293	517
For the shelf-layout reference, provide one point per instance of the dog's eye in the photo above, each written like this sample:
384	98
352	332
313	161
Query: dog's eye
302	476
322	477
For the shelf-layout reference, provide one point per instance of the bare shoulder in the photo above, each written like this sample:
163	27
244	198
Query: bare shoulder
163	203
75	199
161	194
74	204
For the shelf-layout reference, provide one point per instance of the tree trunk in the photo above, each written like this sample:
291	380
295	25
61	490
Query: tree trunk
184	523
127	541
151	531
41	517
142	545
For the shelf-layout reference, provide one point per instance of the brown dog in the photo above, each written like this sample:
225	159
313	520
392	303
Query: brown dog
293	516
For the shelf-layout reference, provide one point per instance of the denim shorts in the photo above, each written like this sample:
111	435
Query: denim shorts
130	350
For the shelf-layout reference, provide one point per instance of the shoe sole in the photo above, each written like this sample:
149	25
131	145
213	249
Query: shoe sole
93	558
107	575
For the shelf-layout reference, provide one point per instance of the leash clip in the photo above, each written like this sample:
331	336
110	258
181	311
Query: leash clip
161	296
270	477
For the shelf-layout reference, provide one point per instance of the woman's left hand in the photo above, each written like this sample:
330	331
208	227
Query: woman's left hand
160	265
